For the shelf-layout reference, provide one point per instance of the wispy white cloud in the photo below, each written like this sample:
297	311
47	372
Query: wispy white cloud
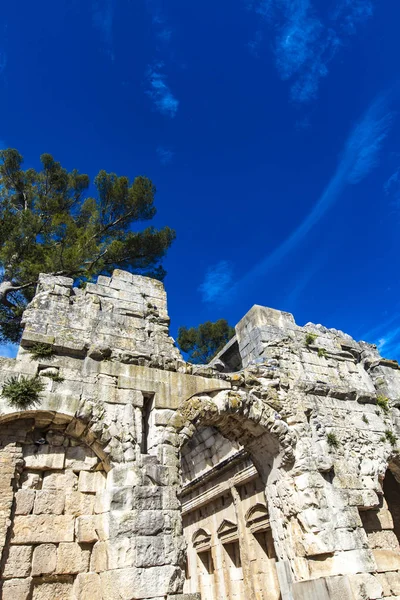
350	13
158	90
216	281
360	155
388	343
103	17
392	189
165	155
306	43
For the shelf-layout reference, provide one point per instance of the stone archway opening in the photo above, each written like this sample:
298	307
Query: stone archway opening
52	482
224	493
391	492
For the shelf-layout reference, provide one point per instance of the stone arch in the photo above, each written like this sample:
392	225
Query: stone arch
268	443
75	427
239	416
52	471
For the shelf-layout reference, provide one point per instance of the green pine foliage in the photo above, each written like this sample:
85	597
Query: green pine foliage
23	392
49	224
203	342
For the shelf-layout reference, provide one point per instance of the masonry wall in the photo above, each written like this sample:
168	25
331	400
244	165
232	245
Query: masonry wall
318	416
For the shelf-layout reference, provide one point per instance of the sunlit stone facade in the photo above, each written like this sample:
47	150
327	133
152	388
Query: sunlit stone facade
271	473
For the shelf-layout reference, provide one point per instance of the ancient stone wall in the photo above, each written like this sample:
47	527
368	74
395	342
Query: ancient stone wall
316	412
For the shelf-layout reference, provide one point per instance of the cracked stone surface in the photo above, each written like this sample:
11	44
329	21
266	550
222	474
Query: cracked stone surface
91	477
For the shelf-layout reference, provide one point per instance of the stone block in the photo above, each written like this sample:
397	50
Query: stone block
365	585
147	497
144	583
80	458
386	560
49	502
127	396
71	559
393	580
91	481
112	554
17	589
31	480
44	559
149	551
24	500
43	458
38	529
67	481
87	586
55	590
77	503
86	529
18	562
381	577
149	522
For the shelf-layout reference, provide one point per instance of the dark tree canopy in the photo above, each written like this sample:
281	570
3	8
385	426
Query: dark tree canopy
203	342
49	224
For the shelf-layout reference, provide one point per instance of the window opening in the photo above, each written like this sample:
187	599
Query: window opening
206	560
233	551
148	405
266	542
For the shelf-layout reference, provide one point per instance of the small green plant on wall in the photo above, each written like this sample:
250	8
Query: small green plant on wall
383	403
23	392
321	352
53	376
365	419
390	437
332	440
310	338
39	350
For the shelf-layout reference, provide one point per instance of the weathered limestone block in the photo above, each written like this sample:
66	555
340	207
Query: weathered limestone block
31	480
72	559
150	551
60	481
87	586
24	500
77	503
91	482
38	529
44	559
86	529
49	502
365	585
17	589
60	590
44	457
393	580
386	560
161	580
80	458
18	562
113	554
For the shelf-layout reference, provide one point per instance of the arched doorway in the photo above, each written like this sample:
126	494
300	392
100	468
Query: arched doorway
230	549
232	453
52	482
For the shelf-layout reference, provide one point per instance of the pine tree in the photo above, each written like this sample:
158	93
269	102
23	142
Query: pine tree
49	224
203	342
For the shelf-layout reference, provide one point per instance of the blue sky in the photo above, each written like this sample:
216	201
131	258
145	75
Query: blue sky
271	129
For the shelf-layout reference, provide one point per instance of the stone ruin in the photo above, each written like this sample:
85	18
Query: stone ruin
272	473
